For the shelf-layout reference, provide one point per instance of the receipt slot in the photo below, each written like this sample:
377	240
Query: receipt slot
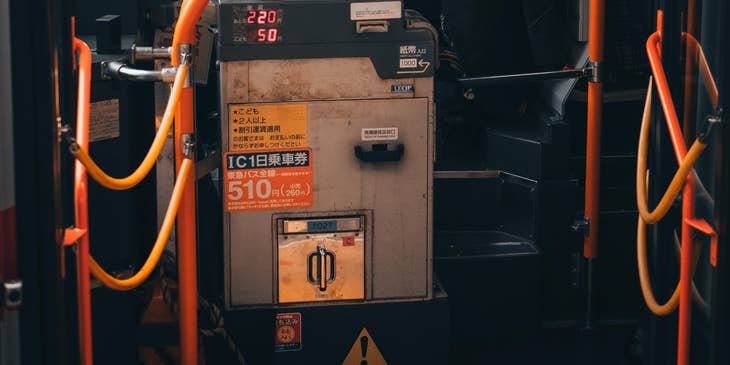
321	259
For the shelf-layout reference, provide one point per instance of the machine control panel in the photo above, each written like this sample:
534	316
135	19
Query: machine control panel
258	25
327	131
400	44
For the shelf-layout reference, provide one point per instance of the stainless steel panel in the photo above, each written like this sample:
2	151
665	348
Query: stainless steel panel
397	195
336	79
251	259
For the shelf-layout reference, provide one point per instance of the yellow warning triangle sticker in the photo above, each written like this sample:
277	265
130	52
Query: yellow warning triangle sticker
364	351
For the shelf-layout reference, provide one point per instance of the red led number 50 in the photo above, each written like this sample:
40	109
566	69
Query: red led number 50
267	35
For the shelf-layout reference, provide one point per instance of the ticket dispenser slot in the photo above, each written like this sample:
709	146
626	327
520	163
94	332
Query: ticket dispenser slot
321	259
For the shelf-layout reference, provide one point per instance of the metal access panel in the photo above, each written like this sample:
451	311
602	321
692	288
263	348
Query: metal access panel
327	135
333	250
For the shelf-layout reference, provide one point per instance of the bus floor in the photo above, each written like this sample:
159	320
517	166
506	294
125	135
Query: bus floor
610	345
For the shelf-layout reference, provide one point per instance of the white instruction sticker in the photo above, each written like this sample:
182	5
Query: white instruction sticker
379	134
376	10
104	120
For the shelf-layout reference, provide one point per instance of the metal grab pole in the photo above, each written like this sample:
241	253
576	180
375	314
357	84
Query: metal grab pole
526	77
183	39
83	285
593	145
653	47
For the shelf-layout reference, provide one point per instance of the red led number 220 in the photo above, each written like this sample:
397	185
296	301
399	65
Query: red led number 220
261	17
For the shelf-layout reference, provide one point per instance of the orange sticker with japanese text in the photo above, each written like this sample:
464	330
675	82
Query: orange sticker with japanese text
257	127
268	180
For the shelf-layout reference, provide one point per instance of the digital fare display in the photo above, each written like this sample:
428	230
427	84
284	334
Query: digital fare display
262	26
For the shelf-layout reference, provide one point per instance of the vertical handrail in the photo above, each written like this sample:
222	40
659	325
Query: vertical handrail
596	43
595	113
83	285
184	32
653	47
689	66
689	223
186	222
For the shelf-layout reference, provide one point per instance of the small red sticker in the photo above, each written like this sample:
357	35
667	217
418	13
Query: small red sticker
348	241
288	332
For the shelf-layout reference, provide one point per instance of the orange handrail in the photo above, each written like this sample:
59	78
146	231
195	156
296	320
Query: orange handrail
593	134
184	124
186	221
653	48
689	79
190	12
83	285
654	51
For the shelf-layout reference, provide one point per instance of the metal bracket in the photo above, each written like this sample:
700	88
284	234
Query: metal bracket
12	294
188	145
118	70
185	54
701	225
595	71
66	132
582	226
185	57
711	122
105	74
149	53
72	235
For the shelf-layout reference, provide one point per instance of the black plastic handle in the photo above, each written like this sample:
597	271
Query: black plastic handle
380	153
315	267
